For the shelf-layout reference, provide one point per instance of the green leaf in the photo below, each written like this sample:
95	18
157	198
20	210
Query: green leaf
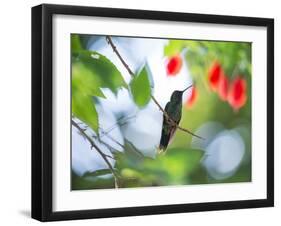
91	71
97	173
90	182
131	157
83	108
105	73
140	88
187	159
176	166
75	43
173	47
84	81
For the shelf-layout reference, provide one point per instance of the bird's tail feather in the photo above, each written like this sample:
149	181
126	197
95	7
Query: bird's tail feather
164	141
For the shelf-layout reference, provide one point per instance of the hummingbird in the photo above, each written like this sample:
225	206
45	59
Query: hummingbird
174	110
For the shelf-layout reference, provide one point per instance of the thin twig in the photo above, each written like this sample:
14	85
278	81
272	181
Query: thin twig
108	130
104	133
104	156
110	137
171	121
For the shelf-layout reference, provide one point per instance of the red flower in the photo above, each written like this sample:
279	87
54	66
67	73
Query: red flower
237	95
174	65
214	75
193	97
223	87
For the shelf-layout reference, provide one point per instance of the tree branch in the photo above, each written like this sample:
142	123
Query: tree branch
110	42
104	156
171	121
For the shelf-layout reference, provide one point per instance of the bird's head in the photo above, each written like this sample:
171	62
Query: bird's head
177	94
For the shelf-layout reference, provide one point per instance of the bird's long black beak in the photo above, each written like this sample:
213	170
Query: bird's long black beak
187	88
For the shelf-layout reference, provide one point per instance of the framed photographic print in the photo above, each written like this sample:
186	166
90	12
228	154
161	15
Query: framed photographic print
146	112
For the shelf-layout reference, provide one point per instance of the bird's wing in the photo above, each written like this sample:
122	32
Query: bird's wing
168	130
167	110
167	106
165	136
172	128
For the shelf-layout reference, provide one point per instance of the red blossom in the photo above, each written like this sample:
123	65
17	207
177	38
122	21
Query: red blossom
174	65
237	95
223	87
193	97
214	75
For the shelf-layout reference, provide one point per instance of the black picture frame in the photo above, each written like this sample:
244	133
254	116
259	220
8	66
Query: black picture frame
42	107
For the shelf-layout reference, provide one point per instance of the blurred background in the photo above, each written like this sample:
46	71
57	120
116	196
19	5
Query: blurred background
116	112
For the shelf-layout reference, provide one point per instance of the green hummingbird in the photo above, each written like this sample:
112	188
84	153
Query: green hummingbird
174	110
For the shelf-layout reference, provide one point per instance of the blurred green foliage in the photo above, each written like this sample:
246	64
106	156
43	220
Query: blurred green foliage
76	43
235	58
91	71
171	169
136	170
